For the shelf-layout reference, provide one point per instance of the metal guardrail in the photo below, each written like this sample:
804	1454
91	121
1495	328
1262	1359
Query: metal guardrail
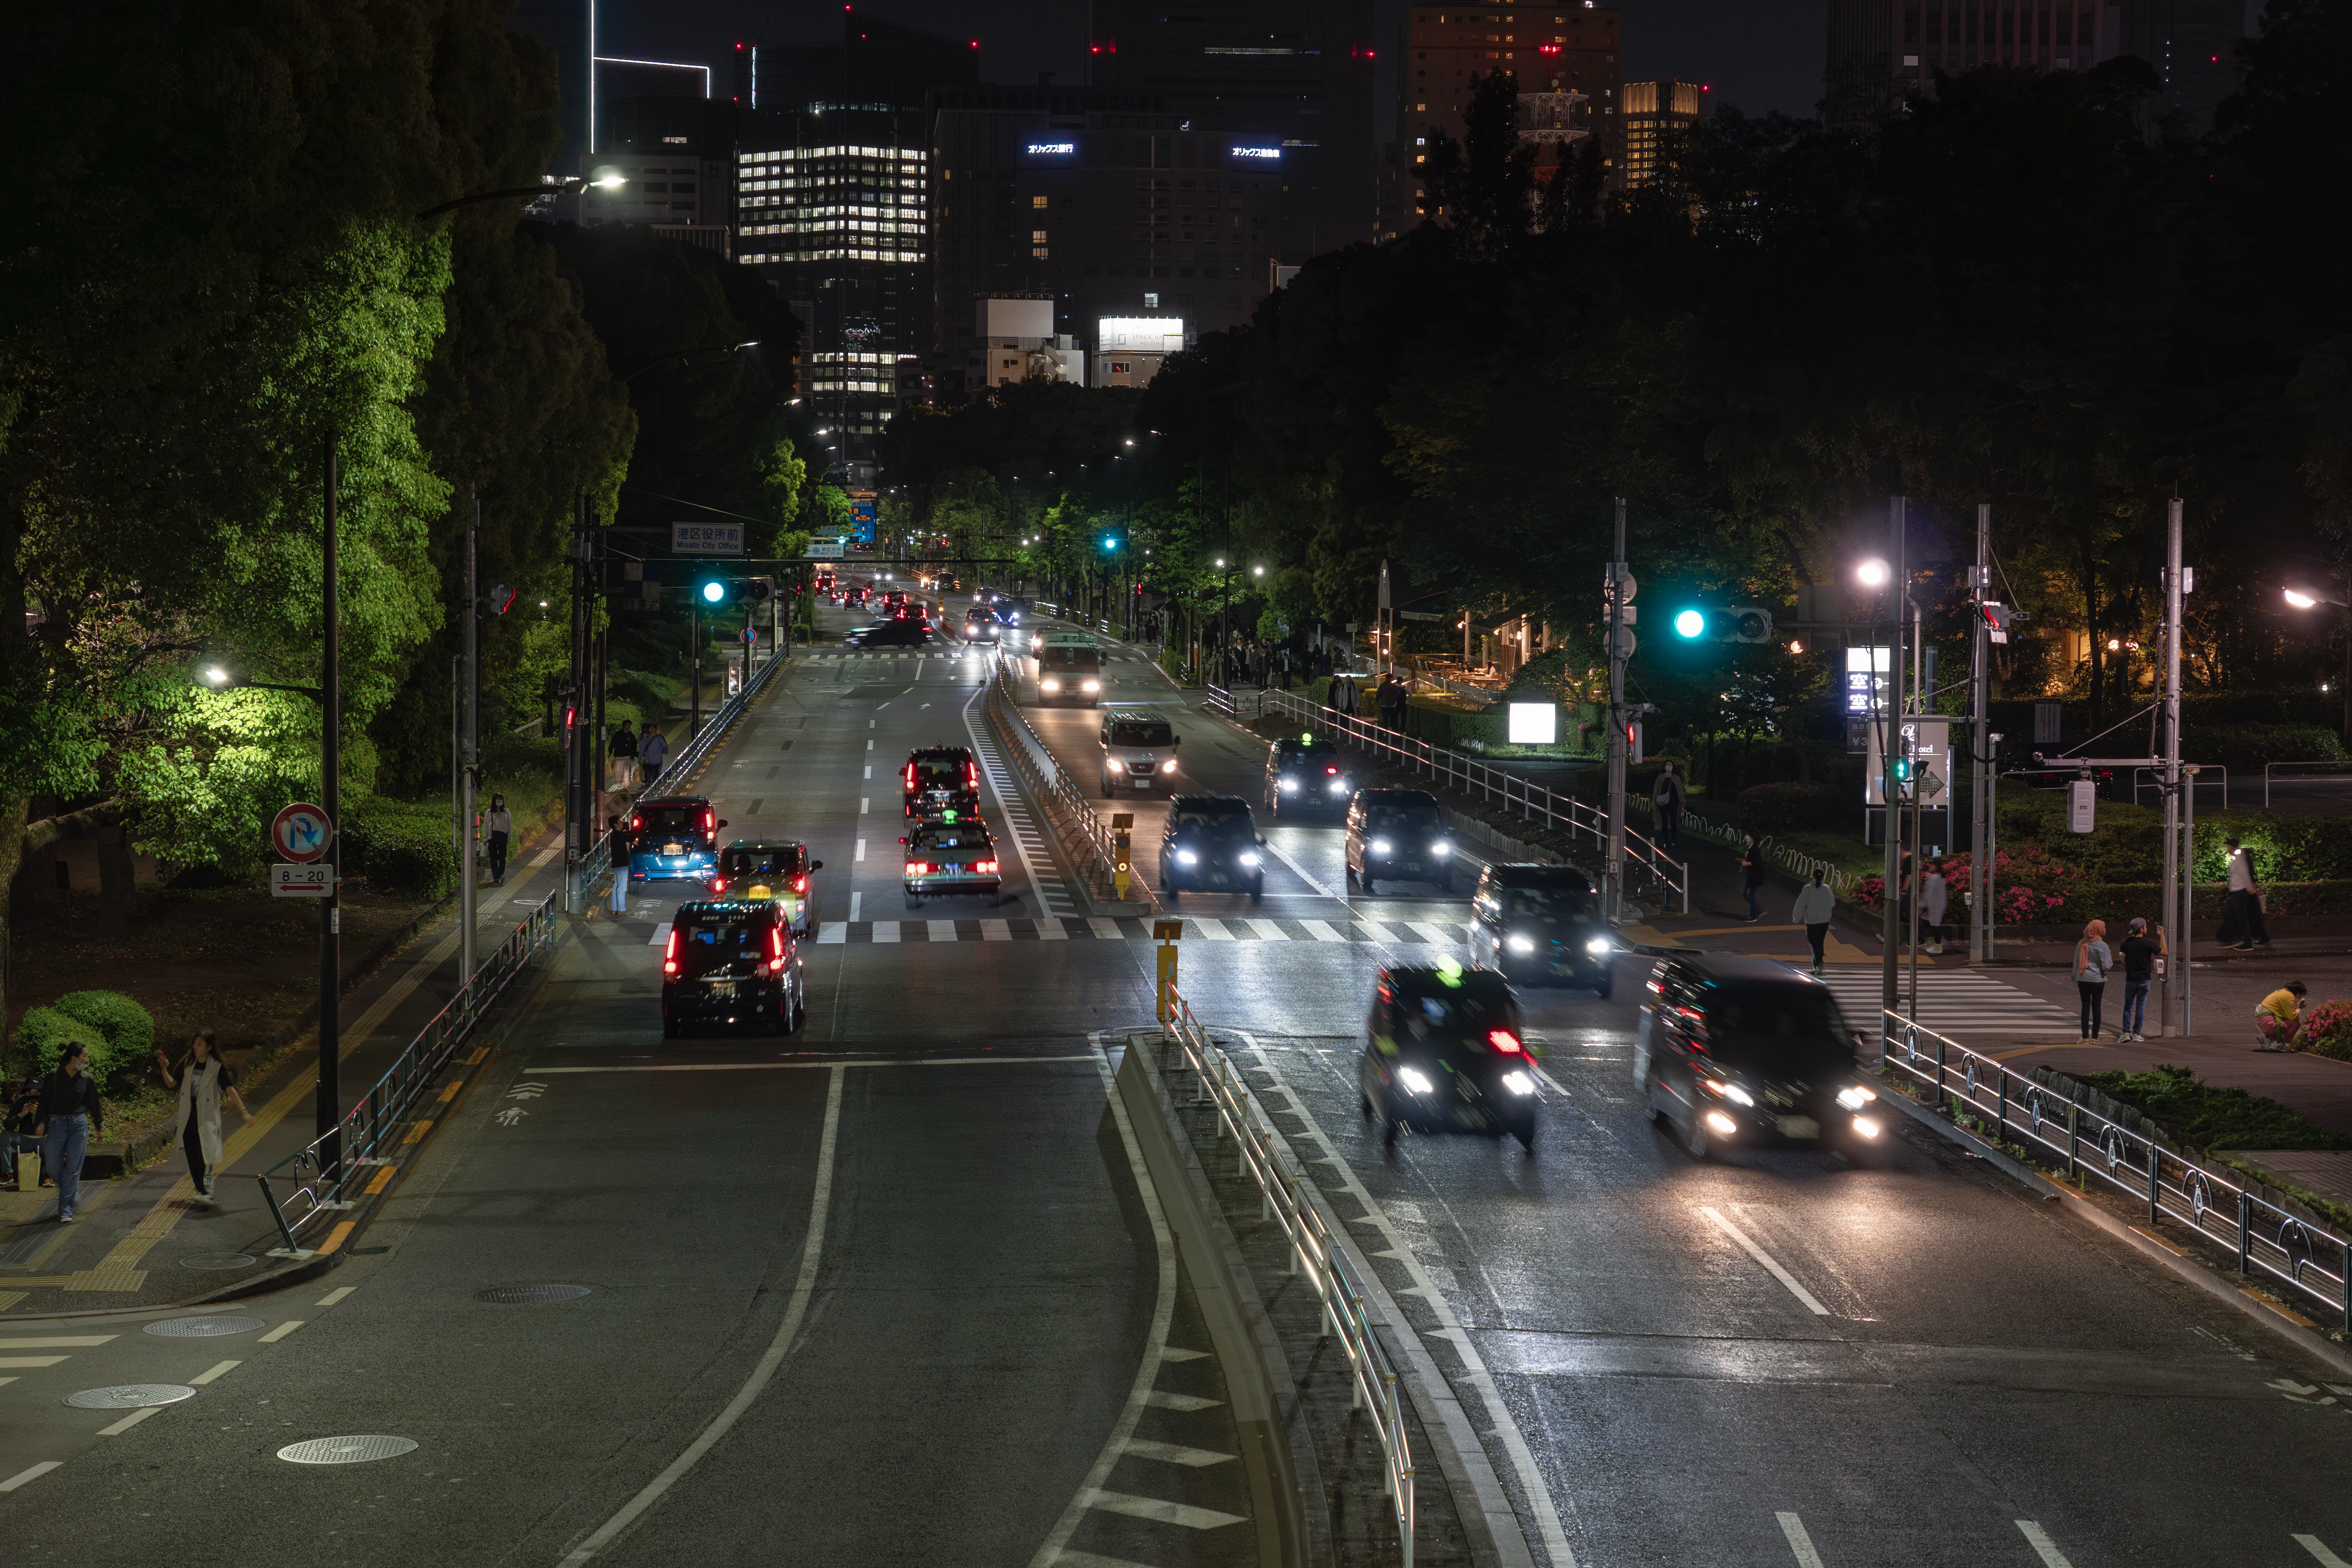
1081	827
320	1175
1283	1198
1536	803
2268	1241
2340	770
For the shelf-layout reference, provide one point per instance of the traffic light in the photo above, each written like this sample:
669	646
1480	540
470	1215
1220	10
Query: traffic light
1732	623
499	599
1996	618
717	591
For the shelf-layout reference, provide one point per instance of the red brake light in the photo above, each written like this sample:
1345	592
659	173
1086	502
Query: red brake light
636	822
800	884
776	945
669	953
1504	1041
917	868
710	820
910	775
1332	771
718	884
985	866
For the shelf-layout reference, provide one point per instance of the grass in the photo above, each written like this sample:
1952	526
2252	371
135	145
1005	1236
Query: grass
2206	1116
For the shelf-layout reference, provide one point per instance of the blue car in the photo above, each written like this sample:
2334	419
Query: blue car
675	835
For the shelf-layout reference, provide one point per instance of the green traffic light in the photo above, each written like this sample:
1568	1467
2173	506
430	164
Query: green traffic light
714	592
1690	623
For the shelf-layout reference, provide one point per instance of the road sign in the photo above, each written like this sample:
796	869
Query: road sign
1619	583
301	832
1626	642
301	881
706	538
827	549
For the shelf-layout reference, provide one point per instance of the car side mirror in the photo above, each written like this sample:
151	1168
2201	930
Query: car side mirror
722	822
817	865
1261	840
1176	742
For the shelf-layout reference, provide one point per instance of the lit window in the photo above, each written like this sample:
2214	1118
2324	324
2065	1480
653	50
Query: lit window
1037	201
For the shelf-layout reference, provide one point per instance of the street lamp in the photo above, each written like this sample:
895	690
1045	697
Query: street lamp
1873	574
220	679
608	181
2308	598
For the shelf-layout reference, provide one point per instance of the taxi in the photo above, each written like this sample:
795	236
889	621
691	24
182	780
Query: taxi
776	868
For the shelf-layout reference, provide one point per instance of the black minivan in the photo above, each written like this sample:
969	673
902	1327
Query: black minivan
1542	925
1735	1050
1396	834
734	964
1444	1052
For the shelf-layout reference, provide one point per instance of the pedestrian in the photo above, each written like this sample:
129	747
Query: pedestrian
1667	796
2141	952
651	750
70	1112
200	1079
2278	1022
2092	962
499	823
2241	910
20	1112
623	750
1815	904
1751	875
1935	893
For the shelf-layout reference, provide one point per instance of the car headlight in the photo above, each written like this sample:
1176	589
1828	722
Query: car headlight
1338	786
1866	1125
1248	857
1049	686
1722	1123
1169	766
1856	1097
1518	1083
1381	847
1290	786
1731	1091
1441	848
1090	686
1415	1079
1598	945
1186	858
1523	943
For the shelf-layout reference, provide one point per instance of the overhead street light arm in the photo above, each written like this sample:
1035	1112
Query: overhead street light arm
608	183
220	679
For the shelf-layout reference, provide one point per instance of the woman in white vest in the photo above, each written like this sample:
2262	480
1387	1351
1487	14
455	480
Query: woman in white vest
202	1078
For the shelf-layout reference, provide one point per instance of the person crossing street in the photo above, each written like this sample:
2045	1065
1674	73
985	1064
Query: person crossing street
70	1112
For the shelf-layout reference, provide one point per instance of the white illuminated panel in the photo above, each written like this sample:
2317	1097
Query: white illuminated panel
1146	334
1534	723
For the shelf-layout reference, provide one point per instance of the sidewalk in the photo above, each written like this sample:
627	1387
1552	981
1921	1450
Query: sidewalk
142	1240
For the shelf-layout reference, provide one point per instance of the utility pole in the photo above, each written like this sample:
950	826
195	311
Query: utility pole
1613	895
330	771
1981	817
1890	928
470	781
2178	862
694	676
578	831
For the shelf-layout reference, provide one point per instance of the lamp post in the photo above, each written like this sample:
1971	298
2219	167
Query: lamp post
2307	598
1879	575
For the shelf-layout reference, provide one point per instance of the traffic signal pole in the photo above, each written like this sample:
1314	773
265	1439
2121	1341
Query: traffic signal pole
1614	893
1981	785
1890	739
470	778
2179	872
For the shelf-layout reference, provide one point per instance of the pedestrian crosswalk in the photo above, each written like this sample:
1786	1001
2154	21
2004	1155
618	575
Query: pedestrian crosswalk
873	656
1099	928
1956	1004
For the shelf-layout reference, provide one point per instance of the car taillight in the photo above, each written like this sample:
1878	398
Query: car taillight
718	884
710	821
1504	1041
985	866
910	775
637	823
669	953
971	775
775	944
1334	772
918	867
800	884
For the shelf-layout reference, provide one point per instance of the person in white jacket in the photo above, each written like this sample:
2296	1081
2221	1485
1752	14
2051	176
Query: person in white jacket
1815	904
202	1078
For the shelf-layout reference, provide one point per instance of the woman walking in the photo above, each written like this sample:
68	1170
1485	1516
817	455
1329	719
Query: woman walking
1751	876
2092	962
1934	893
202	1078
499	823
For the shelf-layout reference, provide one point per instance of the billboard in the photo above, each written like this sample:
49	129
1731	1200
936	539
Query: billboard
1049	151
1139	334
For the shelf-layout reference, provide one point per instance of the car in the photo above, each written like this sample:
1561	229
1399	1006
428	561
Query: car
891	632
1139	752
857	596
894	598
733	963
947	859
1212	843
1304	774
941	784
1444	1052
673	836
979	625
778	869
1396	834
1542	924
1743	1051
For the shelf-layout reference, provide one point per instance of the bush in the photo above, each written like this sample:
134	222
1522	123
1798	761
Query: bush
119	1032
2250	746
403	851
2205	1116
2327	1030
1791	808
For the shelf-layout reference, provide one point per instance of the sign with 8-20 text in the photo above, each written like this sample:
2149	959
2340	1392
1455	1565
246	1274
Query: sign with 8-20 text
315	879
706	538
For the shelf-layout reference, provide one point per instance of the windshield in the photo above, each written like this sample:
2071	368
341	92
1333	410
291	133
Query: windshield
938	772
1219	824
1140	733
1452	1012
951	840
1293	754
671	820
1775	1029
1068	657
789	861
1547	903
1401	819
713	944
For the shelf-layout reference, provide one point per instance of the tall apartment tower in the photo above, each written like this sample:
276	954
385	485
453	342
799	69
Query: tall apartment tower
1650	115
1292	74
1567	59
832	207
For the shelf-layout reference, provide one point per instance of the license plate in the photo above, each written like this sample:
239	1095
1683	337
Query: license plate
1800	1127
723	988
673	849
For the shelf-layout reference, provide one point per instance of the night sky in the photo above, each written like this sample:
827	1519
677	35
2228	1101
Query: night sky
1758	55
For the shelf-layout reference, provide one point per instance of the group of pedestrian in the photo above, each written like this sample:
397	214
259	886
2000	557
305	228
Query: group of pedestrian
55	1115
2145	949
636	759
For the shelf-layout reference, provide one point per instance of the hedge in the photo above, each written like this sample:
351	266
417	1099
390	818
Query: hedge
403	851
119	1032
1793	808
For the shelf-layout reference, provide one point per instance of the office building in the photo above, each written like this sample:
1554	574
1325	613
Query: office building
1102	205
1566	59
1651	116
1017	341
1294	74
675	158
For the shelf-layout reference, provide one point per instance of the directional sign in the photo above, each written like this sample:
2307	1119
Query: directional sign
301	832
706	538
301	881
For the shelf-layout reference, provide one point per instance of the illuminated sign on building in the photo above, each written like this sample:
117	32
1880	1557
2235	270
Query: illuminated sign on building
1049	151
1269	154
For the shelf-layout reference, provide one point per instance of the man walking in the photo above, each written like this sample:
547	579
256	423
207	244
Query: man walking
1666	795
1815	904
71	1113
2241	910
622	748
651	750
2140	953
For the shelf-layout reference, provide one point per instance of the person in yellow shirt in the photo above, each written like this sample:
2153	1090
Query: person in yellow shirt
2278	1022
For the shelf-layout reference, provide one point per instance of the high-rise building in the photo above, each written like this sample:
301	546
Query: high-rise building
1651	115
1567	62
676	158
1101	203
833	207
1293	74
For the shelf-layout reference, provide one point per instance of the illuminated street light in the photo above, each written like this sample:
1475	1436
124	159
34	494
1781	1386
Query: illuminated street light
1873	574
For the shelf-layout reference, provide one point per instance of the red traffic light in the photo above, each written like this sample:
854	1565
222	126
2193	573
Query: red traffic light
500	599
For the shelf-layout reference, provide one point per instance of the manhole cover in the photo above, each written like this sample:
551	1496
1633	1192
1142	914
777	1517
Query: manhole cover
217	1260
130	1395
525	1295
203	1328
345	1450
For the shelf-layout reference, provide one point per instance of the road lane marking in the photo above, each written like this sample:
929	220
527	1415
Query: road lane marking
855	901
279	1332
860	855
1103	926
2320	1554
382	1180
1436	935
213	1373
1182	1513
1320	932
869	769
996	931
1161	1400
861	1062
832	931
30	1362
803	1289
34	1474
1176	1452
2039	1538
886	930
661	934
57	1342
1303	875
1269	930
1214	930
1811	1301
1798	1542
128	1422
332	1297
1378	931
865	805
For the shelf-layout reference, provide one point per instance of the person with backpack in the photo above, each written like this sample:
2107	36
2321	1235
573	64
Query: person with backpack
200	1079
2092	962
1667	796
1815	905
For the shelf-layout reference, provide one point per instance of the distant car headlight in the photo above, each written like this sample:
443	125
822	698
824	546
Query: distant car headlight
1523	943
1856	1097
1866	1125
1169	766
1518	1083
1290	786
1598	945
1442	848
1247	857
1049	686
1338	786
1722	1123
1090	686
1415	1079
1186	858
1381	847
1731	1091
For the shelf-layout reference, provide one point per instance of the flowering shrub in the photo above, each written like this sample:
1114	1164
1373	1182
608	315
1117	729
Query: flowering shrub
2327	1029
2028	884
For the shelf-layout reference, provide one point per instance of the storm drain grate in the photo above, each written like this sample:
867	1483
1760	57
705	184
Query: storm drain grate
345	1450
530	1294
217	1260
130	1395
203	1328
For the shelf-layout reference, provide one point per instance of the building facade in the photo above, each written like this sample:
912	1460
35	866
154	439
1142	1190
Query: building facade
1650	116
674	156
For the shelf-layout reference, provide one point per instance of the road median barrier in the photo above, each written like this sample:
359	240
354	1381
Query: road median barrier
1088	843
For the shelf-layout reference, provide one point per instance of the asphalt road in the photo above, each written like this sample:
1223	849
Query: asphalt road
884	1292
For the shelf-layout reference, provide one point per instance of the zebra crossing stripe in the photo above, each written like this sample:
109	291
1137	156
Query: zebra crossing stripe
1271	930
1096	928
1213	930
1321	933
1950	1003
